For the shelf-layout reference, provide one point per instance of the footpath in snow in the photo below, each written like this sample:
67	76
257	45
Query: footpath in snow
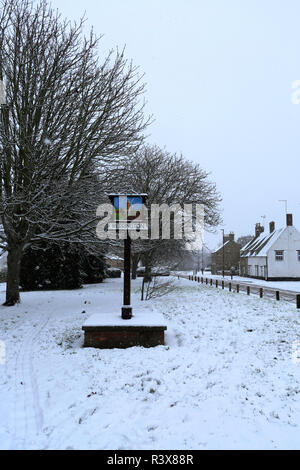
228	376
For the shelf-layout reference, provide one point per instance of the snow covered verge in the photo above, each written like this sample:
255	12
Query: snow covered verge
224	379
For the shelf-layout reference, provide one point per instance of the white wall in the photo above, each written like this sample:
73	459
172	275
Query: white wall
257	261
289	241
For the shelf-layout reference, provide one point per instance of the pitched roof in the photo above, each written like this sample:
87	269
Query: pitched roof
221	247
260	246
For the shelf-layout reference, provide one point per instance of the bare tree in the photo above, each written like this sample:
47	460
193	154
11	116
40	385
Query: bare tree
65	114
170	179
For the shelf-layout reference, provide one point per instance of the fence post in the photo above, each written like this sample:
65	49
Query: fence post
298	300
248	290
277	295
211	282
217	283
206	280
261	292
201	280
237	288
230	287
223	284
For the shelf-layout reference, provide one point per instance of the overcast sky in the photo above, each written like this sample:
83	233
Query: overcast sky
219	79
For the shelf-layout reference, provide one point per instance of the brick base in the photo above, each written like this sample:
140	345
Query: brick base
107	337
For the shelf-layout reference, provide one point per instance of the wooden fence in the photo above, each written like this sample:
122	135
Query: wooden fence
268	292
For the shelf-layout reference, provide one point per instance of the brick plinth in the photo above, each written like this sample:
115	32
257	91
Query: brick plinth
107	337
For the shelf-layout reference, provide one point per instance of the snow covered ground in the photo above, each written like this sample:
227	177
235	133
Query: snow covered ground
225	378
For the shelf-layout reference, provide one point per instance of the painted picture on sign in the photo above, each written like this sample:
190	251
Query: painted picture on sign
128	208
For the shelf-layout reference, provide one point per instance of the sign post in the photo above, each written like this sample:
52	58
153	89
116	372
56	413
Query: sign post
127	309
110	330
128	207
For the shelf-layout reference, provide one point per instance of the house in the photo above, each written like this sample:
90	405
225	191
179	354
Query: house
259	229
274	255
114	261
227	256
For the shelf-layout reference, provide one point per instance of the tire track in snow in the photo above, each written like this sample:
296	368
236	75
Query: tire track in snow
28	414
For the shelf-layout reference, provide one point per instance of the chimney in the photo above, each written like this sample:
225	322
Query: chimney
289	220
272	227
258	230
229	237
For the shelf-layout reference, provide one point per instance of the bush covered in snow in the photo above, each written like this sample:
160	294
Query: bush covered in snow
64	266
50	266
93	267
113	272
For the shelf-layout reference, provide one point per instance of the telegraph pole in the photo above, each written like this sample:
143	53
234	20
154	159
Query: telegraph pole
285	202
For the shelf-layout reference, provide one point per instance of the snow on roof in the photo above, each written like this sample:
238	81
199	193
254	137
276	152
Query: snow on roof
220	247
245	247
260	246
108	256
266	246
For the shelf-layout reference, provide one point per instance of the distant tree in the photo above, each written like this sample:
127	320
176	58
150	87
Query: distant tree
170	179
244	240
65	115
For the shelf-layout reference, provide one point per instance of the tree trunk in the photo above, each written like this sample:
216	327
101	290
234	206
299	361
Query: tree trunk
134	265
13	275
143	285
147	275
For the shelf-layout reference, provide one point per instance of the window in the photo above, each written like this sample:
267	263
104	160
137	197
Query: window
279	255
